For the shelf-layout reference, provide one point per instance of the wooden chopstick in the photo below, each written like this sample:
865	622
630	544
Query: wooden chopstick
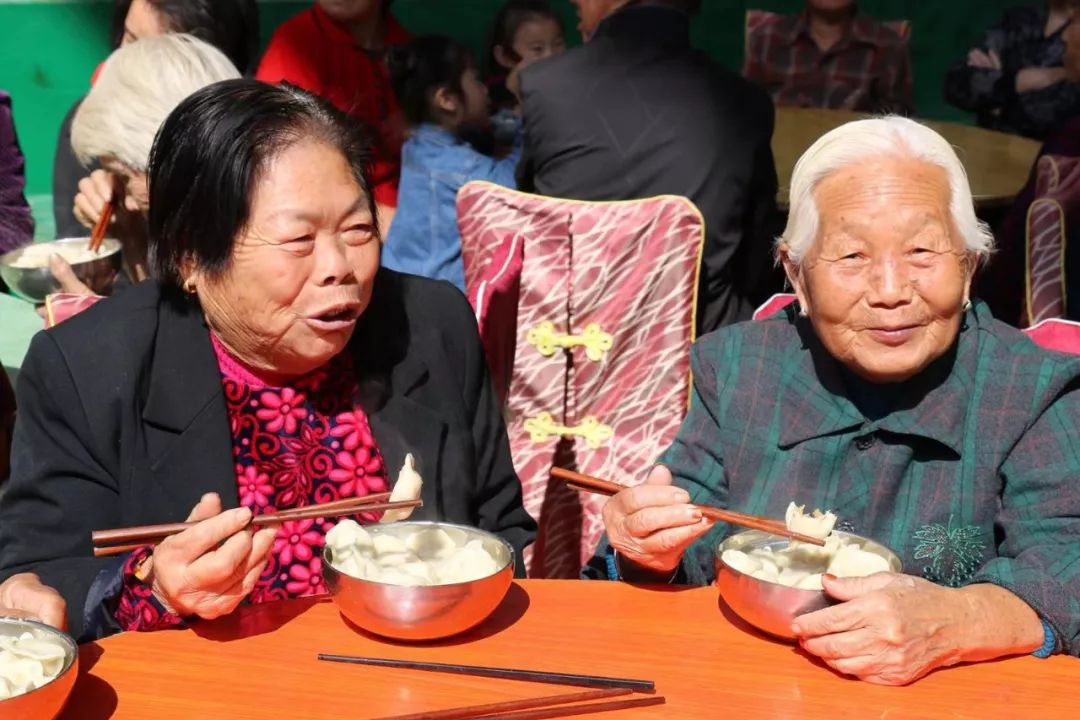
97	235
473	711
592	681
121	540
588	483
568	710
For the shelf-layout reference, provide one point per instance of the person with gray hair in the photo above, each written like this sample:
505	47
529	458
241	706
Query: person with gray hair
141	83
890	396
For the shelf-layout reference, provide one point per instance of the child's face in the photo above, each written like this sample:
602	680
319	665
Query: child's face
475	108
538	39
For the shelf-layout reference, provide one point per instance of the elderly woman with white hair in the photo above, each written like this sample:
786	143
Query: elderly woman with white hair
141	83
890	396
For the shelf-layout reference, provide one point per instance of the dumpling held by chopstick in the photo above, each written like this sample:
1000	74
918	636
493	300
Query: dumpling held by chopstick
407	487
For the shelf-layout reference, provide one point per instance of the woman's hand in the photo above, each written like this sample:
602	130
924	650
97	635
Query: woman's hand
651	525
128	225
24	595
987	60
96	189
1038	78
892	629
208	569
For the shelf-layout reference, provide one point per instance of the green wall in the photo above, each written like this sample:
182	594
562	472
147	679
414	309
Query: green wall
50	48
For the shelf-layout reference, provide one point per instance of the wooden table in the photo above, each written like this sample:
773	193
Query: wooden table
260	663
997	164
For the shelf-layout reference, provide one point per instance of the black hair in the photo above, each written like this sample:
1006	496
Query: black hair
511	16
232	26
209	154
422	66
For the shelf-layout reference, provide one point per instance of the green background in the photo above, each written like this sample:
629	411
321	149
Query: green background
51	48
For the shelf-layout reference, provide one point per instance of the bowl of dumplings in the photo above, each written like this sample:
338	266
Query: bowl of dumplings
38	665
769	580
413	580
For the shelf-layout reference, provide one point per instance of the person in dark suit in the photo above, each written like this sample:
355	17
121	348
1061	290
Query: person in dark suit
270	364
636	112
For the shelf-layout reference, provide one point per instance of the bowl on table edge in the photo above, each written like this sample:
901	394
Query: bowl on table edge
423	612
769	606
34	283
47	701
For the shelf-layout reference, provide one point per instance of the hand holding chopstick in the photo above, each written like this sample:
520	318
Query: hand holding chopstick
587	483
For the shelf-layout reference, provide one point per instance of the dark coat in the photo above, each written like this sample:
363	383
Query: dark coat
637	112
122	421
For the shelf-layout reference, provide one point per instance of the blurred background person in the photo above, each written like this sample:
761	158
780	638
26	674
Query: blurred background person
16	222
831	56
232	26
1015	80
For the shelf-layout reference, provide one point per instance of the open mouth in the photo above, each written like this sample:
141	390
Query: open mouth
335	317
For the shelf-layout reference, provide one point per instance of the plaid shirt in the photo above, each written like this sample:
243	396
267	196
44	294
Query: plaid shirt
971	478
868	70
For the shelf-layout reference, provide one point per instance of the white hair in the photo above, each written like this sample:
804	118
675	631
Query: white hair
860	140
142	83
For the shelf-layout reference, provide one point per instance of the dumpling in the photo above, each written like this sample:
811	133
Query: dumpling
740	561
817	524
853	561
431	543
407	487
358	566
347	536
471	562
387	544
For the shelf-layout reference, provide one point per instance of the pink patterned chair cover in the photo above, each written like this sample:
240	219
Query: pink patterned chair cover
1057	188
601	368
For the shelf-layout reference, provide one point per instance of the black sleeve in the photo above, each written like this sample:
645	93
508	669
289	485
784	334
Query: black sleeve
67	172
530	123
763	221
60	489
500	508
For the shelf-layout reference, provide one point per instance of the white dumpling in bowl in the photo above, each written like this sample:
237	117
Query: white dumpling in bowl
471	562
358	566
431	544
817	524
853	561
740	561
347	536
387	544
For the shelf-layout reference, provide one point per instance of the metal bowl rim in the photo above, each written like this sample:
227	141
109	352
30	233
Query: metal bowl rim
718	553
109	247
67	640
432	523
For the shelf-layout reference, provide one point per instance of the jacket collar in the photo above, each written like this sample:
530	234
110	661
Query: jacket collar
647	26
862	30
393	32
815	399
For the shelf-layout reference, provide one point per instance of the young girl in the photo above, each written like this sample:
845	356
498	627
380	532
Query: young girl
445	103
524	31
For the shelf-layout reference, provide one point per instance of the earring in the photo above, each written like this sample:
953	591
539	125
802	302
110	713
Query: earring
967	305
189	287
803	313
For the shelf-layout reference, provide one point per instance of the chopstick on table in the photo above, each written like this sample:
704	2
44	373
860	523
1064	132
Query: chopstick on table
474	711
97	235
121	540
588	483
591	681
552	706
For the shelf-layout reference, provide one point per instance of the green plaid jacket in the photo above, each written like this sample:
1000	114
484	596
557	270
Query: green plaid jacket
972	477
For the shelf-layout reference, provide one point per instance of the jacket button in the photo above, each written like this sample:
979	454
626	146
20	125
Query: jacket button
865	442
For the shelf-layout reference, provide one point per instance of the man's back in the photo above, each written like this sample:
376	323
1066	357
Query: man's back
637	113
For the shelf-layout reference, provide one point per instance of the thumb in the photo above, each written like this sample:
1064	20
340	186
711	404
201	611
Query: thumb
208	506
849	588
64	275
659	475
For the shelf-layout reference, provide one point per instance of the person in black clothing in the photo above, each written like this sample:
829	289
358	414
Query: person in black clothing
636	112
1014	80
232	26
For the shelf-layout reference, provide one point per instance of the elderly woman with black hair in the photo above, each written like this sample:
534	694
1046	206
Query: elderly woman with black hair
272	364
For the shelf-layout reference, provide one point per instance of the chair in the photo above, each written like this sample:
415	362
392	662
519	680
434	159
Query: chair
1057	192
586	312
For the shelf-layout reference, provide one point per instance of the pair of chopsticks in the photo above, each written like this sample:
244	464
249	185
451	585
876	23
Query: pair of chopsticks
548	706
588	483
97	235
122	540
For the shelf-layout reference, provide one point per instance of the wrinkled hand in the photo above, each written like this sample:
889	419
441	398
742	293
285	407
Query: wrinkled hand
65	276
891	629
651	525
127	224
1038	78
208	569
96	189
24	595
988	60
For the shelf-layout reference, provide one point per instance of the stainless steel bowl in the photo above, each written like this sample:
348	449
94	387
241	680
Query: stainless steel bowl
34	283
770	606
423	612
48	700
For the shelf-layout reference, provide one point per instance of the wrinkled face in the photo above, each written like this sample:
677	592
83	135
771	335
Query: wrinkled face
301	273
1072	48
885	282
346	11
831	6
142	21
592	12
538	39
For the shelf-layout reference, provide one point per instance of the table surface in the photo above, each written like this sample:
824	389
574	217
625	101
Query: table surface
997	164
18	323
260	662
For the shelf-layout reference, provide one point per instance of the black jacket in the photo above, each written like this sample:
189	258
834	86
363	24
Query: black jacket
122	422
636	112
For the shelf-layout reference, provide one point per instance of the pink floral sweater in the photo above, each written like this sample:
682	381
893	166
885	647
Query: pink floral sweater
293	445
